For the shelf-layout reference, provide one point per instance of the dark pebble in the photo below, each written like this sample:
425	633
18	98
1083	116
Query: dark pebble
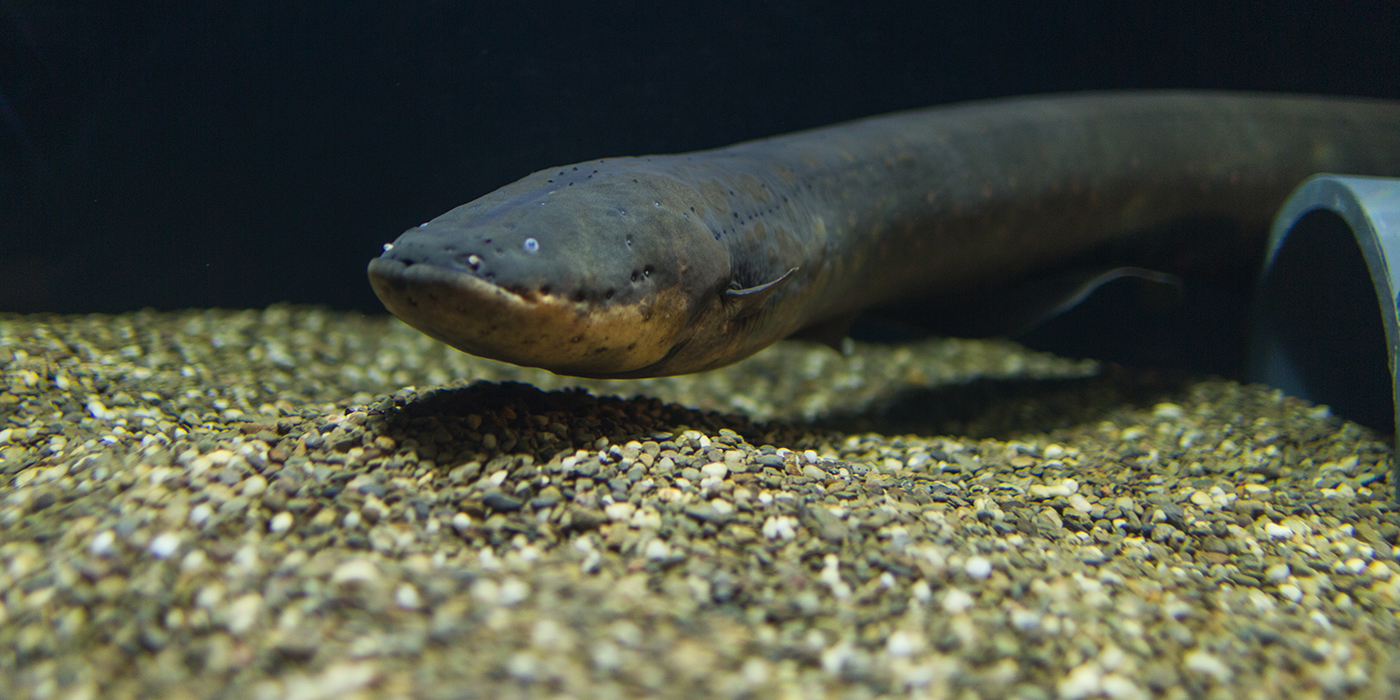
501	502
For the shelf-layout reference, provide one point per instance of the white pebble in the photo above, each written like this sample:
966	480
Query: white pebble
779	526
1278	573
201	514
165	545
253	486
1092	554
657	550
461	522
718	470
1078	502
1082	681
280	523
243	613
904	643
406	595
103	544
194	561
513	591
1278	532
1291	592
619	511
355	571
1064	488
978	567
1120	688
98	411
957	600
342	679
1206	663
921	591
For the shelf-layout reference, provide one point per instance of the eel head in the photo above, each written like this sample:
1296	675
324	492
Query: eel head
600	269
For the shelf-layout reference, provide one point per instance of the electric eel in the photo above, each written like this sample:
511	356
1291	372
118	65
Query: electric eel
663	265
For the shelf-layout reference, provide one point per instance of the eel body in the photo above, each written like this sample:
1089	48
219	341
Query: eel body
661	265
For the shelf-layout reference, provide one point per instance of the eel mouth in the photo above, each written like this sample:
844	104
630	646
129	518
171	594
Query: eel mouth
529	328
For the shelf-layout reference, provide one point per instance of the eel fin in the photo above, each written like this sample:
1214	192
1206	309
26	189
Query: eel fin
1034	303
832	332
1014	309
748	300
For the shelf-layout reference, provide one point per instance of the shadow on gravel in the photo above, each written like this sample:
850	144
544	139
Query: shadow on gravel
1004	409
523	418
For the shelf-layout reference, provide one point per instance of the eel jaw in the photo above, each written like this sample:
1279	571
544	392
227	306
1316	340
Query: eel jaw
531	329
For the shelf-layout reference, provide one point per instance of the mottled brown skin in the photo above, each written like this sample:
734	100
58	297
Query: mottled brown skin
636	267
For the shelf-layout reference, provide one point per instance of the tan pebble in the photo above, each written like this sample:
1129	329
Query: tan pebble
355	571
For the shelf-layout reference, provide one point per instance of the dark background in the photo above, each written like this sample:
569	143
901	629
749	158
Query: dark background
192	154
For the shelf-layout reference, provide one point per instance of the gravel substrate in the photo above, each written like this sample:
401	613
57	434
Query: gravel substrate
299	504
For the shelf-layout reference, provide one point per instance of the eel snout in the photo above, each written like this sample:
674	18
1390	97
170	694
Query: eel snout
529	328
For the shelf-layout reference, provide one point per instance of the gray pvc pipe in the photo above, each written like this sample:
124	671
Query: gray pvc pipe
1333	263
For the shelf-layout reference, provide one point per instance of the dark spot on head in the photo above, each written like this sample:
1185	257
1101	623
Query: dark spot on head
486	241
550	181
575	167
631	346
634	179
579	296
635	275
629	240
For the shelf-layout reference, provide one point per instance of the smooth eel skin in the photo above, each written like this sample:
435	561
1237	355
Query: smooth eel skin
661	265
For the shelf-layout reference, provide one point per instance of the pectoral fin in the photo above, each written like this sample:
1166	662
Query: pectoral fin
748	300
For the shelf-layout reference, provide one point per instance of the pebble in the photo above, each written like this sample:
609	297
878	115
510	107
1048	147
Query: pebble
188	494
1207	664
165	545
978	567
956	601
280	523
